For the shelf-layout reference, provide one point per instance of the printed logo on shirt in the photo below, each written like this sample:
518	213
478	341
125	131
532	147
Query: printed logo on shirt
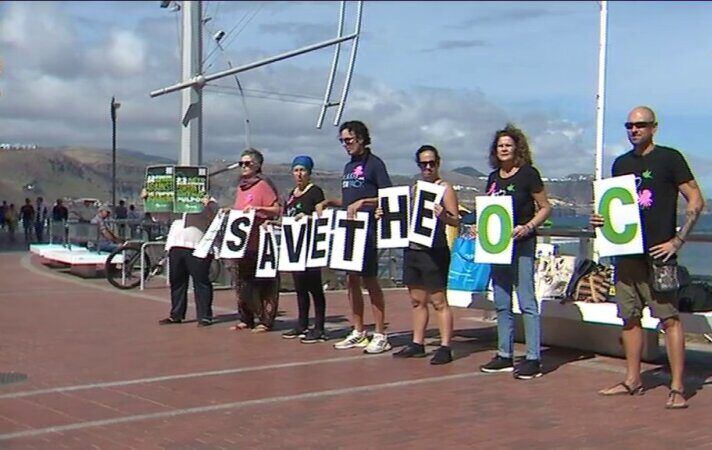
355	179
293	210
645	196
493	191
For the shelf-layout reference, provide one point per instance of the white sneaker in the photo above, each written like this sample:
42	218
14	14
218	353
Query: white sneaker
379	344
353	340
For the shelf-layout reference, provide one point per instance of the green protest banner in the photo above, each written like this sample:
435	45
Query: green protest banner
160	189
191	186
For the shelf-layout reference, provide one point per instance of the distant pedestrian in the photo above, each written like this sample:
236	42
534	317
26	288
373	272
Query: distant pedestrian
40	219
27	216
60	214
134	221
11	221
121	214
3	209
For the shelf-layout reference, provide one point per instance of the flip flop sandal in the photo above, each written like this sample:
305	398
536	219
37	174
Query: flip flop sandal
628	390
671	397
239	327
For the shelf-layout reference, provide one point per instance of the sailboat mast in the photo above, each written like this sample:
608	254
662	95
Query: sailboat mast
601	93
191	142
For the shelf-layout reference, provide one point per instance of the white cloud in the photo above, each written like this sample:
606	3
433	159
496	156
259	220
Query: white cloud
71	106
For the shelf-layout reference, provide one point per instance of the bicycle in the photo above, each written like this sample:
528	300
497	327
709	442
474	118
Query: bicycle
123	265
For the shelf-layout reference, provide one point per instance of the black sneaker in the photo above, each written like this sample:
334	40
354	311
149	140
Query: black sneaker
205	322
411	350
169	321
498	364
443	355
314	336
528	369
294	333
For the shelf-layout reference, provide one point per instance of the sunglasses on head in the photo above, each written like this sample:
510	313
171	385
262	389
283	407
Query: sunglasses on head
348	140
630	125
424	164
245	163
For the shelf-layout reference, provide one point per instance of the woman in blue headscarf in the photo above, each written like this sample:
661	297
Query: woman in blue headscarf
302	201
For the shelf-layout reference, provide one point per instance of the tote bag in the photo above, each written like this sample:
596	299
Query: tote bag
465	274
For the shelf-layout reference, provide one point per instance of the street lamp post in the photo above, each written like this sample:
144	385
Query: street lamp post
114	106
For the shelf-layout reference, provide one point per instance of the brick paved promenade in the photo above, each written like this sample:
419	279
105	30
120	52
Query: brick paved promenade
102	374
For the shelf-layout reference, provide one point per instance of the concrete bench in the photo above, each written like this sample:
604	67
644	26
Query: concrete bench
592	327
80	260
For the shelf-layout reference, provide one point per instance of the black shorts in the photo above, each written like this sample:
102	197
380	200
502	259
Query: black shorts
426	268
370	257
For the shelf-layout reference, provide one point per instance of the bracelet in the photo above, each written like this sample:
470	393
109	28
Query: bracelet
679	238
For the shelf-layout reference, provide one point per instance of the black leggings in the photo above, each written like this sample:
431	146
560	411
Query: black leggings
305	283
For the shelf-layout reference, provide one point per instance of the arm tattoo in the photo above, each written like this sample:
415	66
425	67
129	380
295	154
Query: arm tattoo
690	219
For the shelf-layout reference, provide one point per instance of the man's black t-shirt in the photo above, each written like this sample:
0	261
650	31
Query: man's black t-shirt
305	203
362	178
658	175
520	186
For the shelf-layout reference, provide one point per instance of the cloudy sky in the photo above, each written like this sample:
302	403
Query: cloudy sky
443	73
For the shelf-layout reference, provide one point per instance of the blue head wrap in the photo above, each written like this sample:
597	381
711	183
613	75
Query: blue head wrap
304	161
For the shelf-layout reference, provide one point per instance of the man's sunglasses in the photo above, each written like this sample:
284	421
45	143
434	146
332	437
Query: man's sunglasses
245	163
630	125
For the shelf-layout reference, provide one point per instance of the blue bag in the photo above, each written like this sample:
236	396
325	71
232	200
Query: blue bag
465	274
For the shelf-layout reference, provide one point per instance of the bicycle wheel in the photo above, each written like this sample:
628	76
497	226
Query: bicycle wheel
123	267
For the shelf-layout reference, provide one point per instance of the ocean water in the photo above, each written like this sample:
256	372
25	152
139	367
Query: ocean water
693	255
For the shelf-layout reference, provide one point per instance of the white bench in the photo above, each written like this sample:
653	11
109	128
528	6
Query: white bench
80	260
592	327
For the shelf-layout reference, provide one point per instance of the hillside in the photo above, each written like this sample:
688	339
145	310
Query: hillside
74	172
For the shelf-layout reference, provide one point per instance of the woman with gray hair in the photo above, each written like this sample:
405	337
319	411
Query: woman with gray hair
255	296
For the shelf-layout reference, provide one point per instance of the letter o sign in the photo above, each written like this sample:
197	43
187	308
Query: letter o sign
505	222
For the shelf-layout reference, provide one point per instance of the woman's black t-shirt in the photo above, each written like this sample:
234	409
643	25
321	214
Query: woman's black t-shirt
305	203
520	187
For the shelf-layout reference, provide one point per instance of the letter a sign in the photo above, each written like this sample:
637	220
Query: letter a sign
617	201
494	229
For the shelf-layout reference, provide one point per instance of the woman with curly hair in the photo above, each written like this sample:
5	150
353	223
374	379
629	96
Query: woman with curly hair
515	175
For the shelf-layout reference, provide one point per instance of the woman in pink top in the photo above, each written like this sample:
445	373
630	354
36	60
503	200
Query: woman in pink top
255	296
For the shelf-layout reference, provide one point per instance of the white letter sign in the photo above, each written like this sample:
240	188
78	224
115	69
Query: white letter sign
207	241
293	247
617	201
423	220
494	229
320	237
392	226
349	244
267	254
237	232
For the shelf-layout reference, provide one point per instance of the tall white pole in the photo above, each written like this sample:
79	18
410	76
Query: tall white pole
191	142
601	94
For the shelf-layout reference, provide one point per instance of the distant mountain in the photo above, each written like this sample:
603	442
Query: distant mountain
470	172
75	172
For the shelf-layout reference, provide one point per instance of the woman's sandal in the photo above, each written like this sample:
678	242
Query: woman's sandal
240	326
627	390
671	400
261	328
